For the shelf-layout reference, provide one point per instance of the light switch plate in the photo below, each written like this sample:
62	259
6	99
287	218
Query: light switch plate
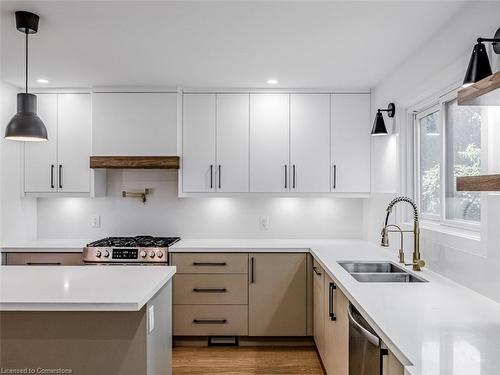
151	318
95	221
264	222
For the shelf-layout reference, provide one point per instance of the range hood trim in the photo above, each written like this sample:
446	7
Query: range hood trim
134	162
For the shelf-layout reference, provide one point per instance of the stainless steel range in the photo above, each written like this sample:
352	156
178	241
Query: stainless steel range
140	250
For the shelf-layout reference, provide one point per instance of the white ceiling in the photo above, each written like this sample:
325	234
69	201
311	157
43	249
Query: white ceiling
304	44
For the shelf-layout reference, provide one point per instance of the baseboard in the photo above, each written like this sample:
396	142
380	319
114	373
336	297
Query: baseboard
201	341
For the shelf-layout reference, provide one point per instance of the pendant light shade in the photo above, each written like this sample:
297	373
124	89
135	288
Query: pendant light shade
26	125
379	123
479	65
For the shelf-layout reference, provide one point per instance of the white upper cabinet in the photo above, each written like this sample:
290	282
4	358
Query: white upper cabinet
350	143
269	143
198	143
232	143
40	158
74	143
310	143
134	124
282	143
60	165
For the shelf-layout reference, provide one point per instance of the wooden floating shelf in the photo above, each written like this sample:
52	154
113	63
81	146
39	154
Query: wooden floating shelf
489	182
484	92
135	162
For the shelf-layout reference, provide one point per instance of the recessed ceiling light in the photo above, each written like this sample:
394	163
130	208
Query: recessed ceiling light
42	80
272	81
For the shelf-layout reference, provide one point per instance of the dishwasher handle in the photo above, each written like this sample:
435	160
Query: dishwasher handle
367	334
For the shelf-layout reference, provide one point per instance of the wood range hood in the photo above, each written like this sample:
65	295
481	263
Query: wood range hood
485	92
135	162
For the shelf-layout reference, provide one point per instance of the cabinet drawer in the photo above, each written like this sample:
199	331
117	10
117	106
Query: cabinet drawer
44	259
205	289
210	262
210	320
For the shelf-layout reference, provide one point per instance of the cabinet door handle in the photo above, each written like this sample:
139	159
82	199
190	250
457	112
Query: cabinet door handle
43	263
209	263
220	176
293	176
209	290
52	176
252	270
211	176
334	176
286	176
60	176
315	269
209	321
331	312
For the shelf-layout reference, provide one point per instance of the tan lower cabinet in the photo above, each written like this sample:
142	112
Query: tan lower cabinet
391	365
319	315
210	294
277	294
43	259
336	334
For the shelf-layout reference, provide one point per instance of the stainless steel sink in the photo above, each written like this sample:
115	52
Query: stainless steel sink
371	267
379	272
387	278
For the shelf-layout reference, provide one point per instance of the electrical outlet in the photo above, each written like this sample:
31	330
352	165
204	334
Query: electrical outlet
151	318
264	222
95	221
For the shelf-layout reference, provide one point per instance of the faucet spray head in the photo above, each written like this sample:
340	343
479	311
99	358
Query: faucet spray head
385	237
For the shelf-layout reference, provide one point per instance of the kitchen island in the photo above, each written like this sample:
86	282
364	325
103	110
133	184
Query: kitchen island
86	320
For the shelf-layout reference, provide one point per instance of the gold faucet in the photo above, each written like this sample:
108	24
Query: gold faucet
417	262
385	239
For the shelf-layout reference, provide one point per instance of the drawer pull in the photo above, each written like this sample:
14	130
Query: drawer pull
209	321
209	290
43	263
315	269
209	264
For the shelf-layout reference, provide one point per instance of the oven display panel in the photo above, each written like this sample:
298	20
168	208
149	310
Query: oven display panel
125	253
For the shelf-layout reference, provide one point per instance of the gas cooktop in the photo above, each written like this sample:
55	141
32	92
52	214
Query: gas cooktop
129	250
137	241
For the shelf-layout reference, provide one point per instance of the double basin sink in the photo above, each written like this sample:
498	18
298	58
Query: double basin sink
379	272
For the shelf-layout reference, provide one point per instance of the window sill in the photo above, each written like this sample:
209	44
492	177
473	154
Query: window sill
469	234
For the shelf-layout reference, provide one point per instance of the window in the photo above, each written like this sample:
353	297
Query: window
430	162
448	145
463	158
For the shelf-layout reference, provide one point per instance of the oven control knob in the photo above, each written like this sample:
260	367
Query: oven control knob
143	254
159	254
98	253
152	254
106	254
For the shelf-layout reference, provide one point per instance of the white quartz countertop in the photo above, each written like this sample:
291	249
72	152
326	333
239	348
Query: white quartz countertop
46	246
438	327
80	288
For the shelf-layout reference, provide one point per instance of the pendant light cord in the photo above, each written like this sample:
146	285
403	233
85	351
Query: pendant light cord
26	61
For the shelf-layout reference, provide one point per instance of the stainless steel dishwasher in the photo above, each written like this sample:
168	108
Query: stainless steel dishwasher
365	347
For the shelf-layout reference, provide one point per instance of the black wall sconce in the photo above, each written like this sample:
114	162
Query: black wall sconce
379	124
479	64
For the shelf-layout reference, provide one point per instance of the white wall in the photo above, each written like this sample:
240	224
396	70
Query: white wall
166	214
17	215
434	67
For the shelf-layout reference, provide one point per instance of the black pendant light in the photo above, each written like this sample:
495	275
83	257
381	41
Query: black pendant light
479	64
379	123
26	125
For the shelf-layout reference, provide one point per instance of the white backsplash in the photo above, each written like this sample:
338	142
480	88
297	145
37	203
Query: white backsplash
218	217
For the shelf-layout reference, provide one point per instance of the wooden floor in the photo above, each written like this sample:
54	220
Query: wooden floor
246	360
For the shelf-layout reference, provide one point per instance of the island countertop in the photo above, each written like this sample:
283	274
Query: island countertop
80	288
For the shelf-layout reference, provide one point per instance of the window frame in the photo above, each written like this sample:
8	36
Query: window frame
439	105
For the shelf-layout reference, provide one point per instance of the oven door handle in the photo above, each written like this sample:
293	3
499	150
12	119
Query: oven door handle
374	340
